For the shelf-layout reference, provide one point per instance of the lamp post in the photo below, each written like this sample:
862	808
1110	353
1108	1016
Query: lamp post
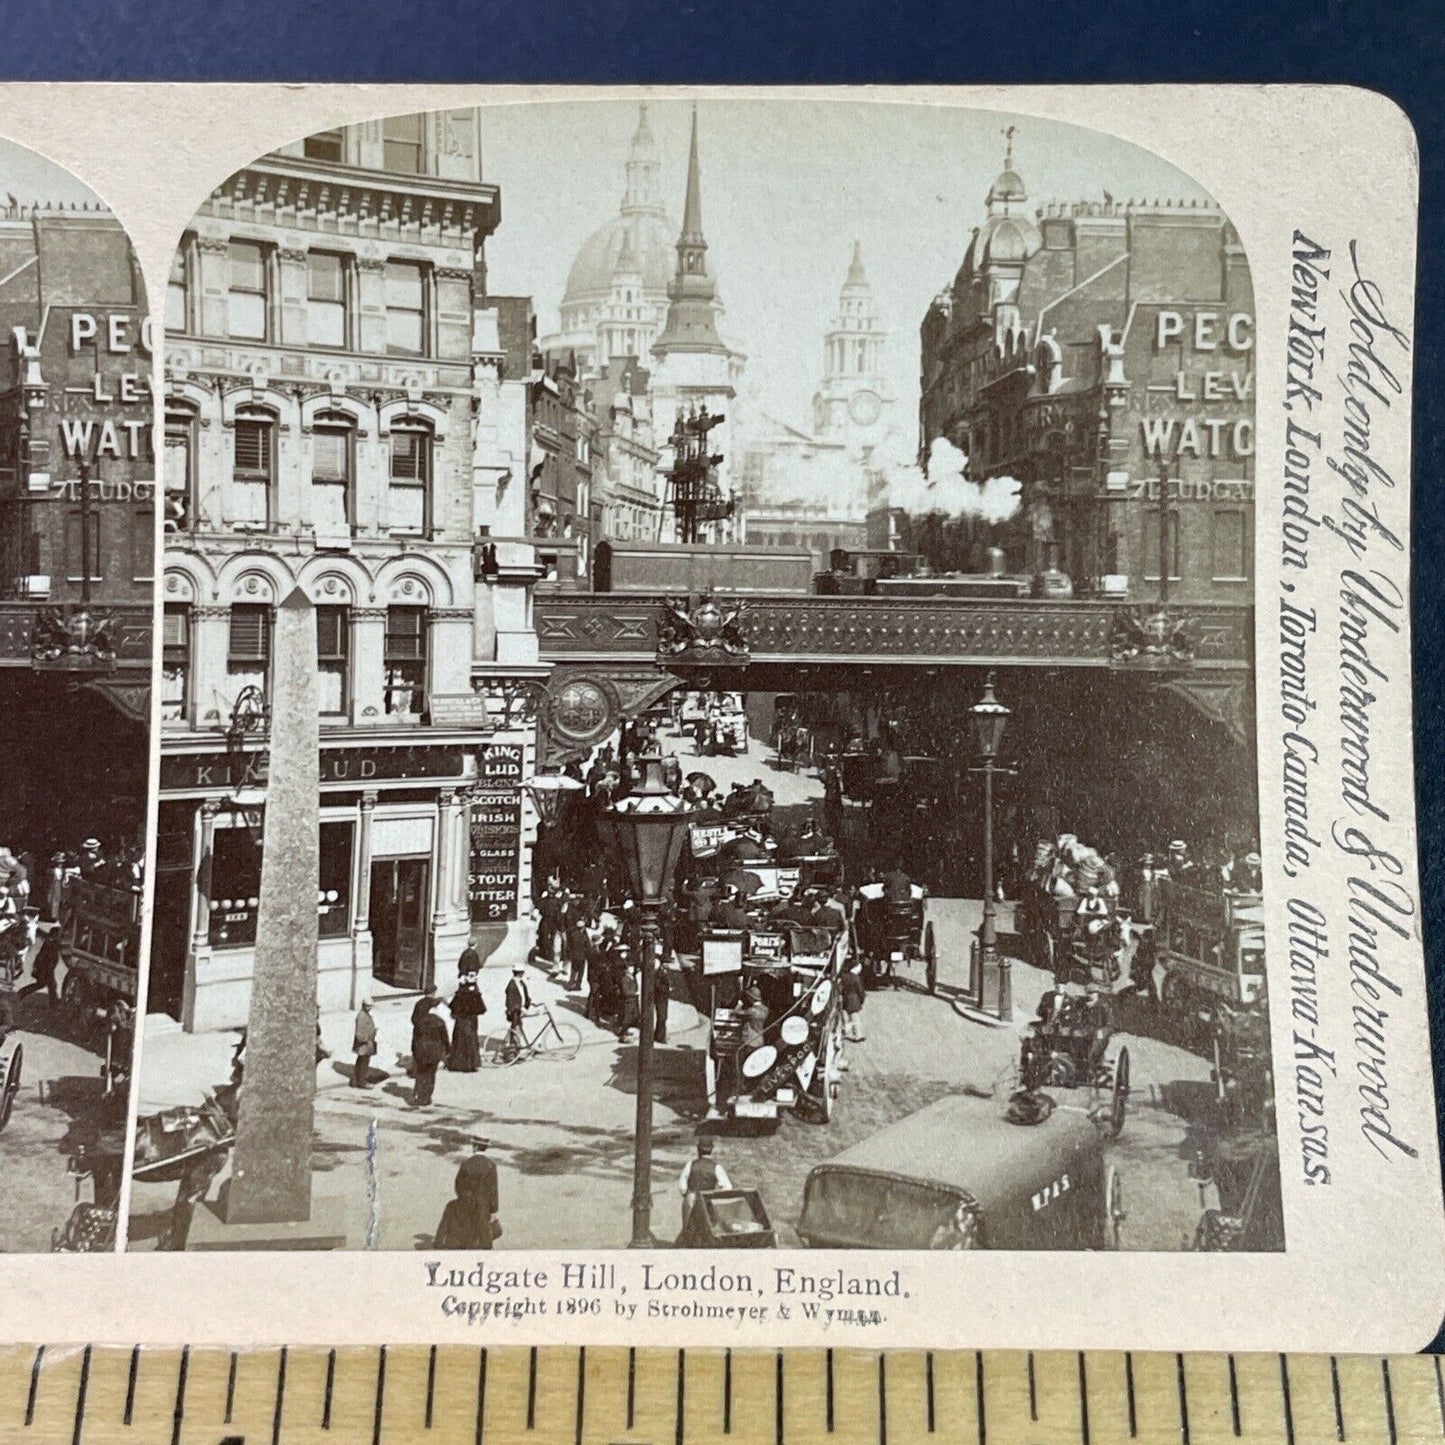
548	792
650	825
989	719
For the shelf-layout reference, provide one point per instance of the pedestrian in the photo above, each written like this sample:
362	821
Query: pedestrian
549	920
853	995
578	945
429	1044
466	1007
631	1013
47	961
470	1219
518	1005
363	1045
470	960
755	1021
55	887
661	998
700	1176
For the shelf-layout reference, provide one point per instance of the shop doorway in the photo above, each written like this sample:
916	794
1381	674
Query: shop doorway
169	943
400	919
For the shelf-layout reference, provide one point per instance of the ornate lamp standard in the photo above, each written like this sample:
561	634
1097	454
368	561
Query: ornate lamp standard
650	825
989	719
549	792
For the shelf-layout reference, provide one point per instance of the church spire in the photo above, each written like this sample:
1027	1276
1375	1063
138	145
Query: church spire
643	169
857	278
692	296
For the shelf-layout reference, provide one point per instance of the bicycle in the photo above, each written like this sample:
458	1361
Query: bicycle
551	1040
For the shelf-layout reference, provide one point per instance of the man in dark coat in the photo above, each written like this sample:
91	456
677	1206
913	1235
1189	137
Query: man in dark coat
579	946
549	920
47	960
470	960
470	1220
661	997
518	1005
429	1045
631	1012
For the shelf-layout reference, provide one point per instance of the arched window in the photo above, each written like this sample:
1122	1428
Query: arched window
409	486
332	469
253	470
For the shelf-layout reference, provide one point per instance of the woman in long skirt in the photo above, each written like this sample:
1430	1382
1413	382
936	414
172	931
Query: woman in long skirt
466	1008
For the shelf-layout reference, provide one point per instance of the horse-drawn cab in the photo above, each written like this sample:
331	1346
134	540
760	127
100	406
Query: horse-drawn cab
1071	1044
890	933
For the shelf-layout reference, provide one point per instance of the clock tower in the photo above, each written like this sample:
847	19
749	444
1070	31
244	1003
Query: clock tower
854	405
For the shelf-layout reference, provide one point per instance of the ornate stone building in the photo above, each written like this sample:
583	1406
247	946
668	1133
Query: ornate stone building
1079	349
340	417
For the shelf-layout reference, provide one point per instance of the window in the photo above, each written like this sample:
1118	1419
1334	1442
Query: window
410	479
1150	559
175	661
1231	545
325	299
333	649
405	661
333	892
325	145
178	291
177	502
235	887
75	544
405	308
248	654
331	480
252	472
248	300
403	146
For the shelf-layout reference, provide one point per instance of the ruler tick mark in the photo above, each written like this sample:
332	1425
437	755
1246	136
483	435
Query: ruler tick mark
1083	1398
1335	1391
532	1388
1389	1401
431	1383
481	1393
727	1392
1033	1390
581	1393
978	1397
280	1399
828	1389
928	1381
778	1398
178	1415
1129	1390
631	1386
1183	1398
330	1389
35	1388
80	1397
230	1390
882	1400
380	1396
681	1395
1234	1396
1440	1393
130	1387
1288	1403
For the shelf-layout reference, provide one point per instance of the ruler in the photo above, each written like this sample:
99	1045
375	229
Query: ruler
457	1395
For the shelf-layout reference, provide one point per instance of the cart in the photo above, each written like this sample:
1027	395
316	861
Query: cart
958	1175
12	1061
728	1219
172	1142
892	936
1055	941
1071	1045
1211	947
101	942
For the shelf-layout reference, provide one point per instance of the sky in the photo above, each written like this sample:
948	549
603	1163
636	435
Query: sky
30	177
787	186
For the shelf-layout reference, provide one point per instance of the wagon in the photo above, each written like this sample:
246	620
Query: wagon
959	1175
1071	1045
1056	942
892	936
172	1142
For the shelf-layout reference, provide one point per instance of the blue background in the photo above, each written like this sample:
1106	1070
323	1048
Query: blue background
1397	49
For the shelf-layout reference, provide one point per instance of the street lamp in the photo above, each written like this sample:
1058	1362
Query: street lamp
990	717
548	792
650	825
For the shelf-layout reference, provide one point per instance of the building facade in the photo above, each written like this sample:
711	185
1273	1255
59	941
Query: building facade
1083	349
77	527
340	418
627	491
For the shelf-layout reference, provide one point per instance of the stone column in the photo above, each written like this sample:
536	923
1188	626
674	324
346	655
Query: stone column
368	634
198	945
271	1172
361	904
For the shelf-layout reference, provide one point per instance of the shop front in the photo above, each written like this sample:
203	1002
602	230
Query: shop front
393	894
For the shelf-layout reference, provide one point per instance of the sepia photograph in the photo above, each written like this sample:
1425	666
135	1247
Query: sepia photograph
707	691
77	550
